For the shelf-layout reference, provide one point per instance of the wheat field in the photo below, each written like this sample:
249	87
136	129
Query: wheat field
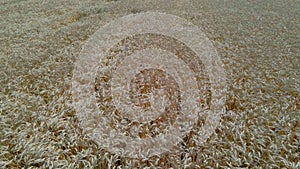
258	43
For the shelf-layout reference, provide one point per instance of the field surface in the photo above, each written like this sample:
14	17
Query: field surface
257	41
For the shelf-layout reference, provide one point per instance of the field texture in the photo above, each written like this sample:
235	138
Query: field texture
258	43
